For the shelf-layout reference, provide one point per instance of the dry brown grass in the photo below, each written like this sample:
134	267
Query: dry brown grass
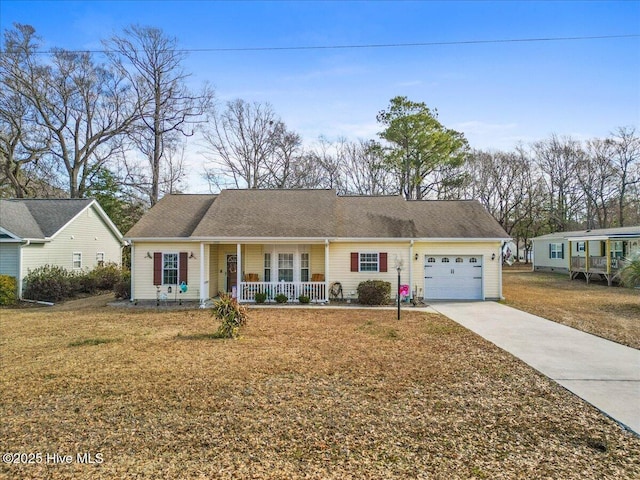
313	393
609	312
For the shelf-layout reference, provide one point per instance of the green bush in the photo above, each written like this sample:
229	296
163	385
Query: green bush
260	297
50	283
122	287
374	292
106	276
281	298
232	314
304	299
8	290
630	273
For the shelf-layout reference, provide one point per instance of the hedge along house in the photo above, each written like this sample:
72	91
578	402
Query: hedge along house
302	242
75	234
586	252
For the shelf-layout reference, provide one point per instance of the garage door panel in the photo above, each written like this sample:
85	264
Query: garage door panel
453	277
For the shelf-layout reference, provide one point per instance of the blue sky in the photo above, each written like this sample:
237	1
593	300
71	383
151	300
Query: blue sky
496	93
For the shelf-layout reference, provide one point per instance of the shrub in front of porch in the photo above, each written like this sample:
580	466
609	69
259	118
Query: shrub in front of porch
281	298
374	292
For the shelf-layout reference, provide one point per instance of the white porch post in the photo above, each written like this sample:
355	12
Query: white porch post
203	296
238	269
326	270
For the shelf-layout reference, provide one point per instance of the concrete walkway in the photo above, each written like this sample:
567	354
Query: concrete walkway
604	373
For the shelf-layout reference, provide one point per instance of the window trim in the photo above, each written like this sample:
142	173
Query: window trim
73	261
556	250
369	262
100	262
177	268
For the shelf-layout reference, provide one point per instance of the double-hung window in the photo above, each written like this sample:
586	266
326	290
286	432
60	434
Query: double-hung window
267	267
100	259
369	262
285	267
169	268
556	250
77	260
304	267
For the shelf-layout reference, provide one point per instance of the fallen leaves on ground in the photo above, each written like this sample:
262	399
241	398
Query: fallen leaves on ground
316	393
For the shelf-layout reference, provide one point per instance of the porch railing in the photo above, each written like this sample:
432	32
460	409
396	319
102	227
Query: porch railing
316	291
596	264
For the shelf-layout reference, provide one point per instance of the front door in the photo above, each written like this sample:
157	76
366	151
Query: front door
232	269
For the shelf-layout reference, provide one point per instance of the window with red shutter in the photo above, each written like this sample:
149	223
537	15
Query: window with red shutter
383	262
157	268
355	261
183	268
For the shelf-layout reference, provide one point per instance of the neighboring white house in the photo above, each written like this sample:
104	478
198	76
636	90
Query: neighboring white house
306	241
586	252
72	233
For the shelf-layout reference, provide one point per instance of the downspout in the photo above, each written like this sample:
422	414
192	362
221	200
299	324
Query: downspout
411	270
202	278
500	263
132	294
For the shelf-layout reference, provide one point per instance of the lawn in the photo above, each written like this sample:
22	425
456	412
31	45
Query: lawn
609	312
315	393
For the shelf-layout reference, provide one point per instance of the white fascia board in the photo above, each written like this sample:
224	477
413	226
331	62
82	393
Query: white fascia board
160	239
418	240
107	220
260	240
13	236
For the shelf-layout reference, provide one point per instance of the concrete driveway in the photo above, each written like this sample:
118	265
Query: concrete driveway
604	373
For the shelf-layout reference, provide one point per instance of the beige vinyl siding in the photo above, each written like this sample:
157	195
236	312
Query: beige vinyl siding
87	234
316	253
491	269
253	260
144	289
10	259
340	265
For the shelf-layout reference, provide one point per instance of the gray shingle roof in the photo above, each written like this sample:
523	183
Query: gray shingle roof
39	218
312	214
173	216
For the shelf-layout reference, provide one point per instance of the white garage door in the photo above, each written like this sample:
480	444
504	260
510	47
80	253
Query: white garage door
453	277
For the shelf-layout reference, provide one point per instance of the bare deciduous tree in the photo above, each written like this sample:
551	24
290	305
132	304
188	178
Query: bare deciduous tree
557	158
167	108
83	106
240	143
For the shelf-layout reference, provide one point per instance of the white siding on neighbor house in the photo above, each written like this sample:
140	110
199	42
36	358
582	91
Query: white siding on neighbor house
88	234
542	260
10	259
491	269
142	269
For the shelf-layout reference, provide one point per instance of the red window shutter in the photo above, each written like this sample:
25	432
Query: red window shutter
383	262
157	268
183	268
355	261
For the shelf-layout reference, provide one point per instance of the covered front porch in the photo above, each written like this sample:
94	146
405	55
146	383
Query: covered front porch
603	256
244	270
